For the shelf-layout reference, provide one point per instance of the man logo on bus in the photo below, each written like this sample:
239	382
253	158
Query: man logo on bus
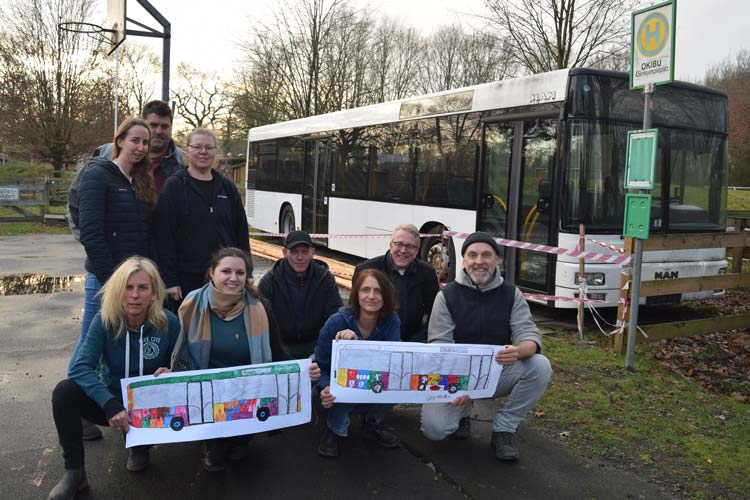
653	34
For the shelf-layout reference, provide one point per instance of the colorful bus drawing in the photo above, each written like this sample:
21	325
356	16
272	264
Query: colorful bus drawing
452	369
247	392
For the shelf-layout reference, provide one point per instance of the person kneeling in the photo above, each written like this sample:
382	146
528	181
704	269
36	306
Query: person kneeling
370	315
131	319
479	307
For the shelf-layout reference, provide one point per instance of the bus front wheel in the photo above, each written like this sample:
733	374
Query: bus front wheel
263	413
453	388
177	424
442	259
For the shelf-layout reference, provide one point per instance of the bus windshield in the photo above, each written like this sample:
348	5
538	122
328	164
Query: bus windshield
691	168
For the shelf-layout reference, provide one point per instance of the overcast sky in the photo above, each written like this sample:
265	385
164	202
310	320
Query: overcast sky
206	33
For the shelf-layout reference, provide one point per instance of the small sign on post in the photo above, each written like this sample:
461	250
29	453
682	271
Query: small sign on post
641	158
652	45
9	194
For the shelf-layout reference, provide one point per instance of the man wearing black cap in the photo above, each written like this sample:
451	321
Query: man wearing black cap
479	307
302	292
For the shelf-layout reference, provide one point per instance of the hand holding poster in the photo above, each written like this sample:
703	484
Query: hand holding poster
412	372
207	404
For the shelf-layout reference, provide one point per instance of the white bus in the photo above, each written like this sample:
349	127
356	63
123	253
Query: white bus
526	159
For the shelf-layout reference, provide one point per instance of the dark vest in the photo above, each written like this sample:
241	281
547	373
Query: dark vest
480	317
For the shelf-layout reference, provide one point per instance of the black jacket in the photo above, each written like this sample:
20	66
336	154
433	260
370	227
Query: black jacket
416	292
114	223
189	227
321	299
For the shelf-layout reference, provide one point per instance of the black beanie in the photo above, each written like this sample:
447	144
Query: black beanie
480	237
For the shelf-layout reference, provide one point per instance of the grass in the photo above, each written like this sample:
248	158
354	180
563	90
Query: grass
738	200
651	420
15	228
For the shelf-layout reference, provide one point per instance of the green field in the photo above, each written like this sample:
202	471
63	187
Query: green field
738	200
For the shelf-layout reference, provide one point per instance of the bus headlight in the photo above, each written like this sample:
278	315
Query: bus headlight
593	279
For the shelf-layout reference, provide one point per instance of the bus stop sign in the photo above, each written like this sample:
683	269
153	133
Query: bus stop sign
640	159
652	45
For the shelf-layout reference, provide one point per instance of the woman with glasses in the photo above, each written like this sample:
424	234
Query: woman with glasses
199	211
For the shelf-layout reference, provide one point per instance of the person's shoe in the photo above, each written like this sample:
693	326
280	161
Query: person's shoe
504	444
90	431
464	429
73	481
378	433
138	458
213	459
329	444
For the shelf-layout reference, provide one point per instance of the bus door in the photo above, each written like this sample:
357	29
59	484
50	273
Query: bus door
319	156
534	223
515	194
200	402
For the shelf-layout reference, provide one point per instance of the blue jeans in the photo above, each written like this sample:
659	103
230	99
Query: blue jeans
91	306
338	415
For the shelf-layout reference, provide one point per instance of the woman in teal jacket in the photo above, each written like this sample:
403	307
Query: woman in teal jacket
131	335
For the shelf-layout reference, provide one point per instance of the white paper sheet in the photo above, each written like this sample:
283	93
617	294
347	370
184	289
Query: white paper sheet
410	372
206	404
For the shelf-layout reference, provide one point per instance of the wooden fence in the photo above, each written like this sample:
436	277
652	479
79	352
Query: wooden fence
18	197
737	244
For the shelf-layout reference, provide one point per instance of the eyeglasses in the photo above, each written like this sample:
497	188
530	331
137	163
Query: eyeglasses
401	245
202	147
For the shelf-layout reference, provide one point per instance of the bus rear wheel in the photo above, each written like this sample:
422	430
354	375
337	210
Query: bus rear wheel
432	253
263	413
377	387
286	221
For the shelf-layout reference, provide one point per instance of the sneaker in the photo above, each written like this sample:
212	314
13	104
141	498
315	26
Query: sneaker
378	433
504	444
213	458
90	431
464	429
329	444
138	458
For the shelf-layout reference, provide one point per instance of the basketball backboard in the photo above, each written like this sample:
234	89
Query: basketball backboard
116	22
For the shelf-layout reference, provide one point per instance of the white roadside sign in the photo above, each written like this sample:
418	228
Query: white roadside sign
652	45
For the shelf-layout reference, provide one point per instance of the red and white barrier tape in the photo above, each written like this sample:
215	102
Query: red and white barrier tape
598	257
607	245
557	297
593	256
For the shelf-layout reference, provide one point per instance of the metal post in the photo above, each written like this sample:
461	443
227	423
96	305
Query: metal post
167	36
117	87
635	291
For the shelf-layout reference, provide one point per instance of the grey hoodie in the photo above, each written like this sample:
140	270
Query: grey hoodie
442	324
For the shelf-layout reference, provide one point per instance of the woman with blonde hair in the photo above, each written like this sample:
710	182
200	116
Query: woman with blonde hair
131	335
199	211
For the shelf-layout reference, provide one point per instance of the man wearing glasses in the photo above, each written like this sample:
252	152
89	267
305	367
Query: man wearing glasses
166	157
415	281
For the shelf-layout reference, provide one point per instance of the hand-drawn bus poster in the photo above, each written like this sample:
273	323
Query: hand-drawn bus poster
205	404
410	372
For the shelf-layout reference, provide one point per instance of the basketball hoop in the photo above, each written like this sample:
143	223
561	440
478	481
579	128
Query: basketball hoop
96	35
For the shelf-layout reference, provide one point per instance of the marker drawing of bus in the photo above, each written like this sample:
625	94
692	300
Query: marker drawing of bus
452	369
244	393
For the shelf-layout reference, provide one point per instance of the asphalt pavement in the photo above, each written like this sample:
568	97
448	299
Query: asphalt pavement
38	333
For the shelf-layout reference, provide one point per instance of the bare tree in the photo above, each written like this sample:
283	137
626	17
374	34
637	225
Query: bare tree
51	85
139	70
545	35
200	98
396	56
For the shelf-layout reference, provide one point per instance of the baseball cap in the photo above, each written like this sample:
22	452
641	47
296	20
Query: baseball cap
296	238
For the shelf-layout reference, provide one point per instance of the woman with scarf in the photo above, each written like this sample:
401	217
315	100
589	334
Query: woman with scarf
225	323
